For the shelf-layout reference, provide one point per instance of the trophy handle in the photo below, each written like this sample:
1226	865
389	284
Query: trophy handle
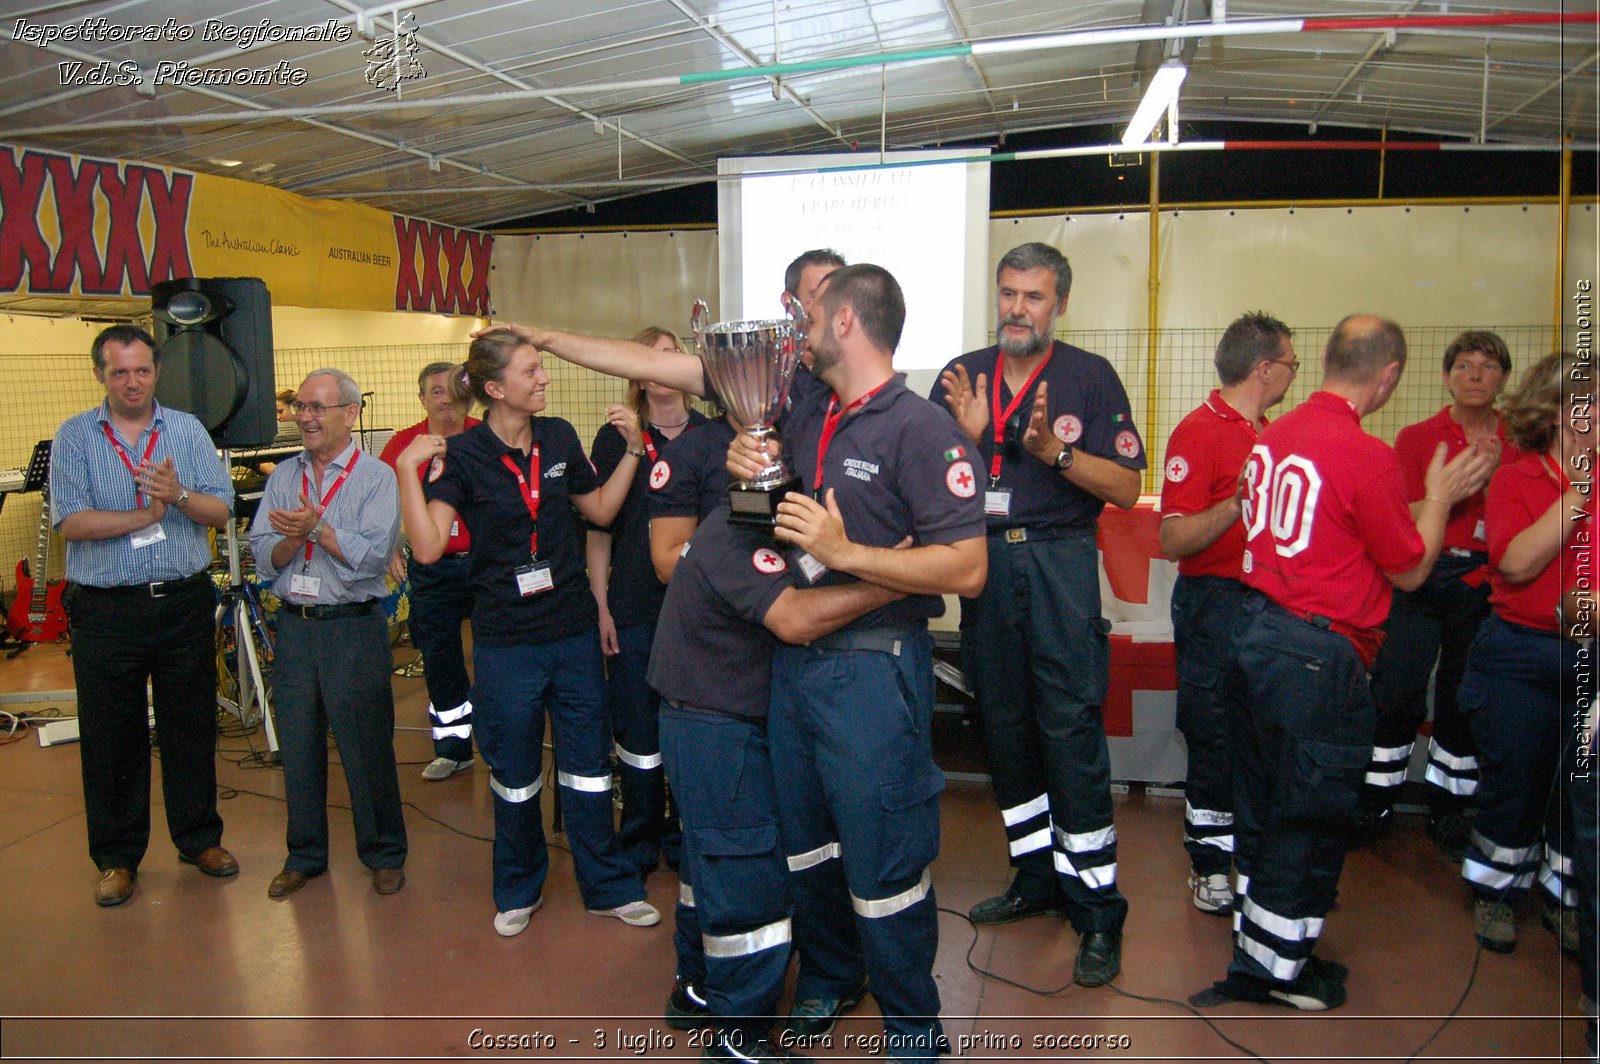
699	318
797	315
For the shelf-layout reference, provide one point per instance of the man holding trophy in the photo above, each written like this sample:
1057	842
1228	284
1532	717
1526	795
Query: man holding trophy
849	731
849	728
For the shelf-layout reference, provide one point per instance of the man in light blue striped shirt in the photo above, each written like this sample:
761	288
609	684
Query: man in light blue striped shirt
323	535
134	488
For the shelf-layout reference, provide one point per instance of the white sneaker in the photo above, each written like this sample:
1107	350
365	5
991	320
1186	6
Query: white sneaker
514	921
442	768
1213	893
634	914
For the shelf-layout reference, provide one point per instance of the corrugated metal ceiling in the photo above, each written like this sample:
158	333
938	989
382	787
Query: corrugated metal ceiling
582	129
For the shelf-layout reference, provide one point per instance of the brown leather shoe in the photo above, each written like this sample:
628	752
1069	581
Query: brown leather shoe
114	886
213	861
388	880
288	881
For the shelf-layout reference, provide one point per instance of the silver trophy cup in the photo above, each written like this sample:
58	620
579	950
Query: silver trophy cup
751	364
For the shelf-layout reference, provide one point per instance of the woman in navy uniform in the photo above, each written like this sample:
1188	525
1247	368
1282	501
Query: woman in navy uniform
536	645
628	595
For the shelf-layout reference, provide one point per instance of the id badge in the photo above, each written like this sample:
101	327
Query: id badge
812	568
534	578
997	503
146	536
1478	531
303	585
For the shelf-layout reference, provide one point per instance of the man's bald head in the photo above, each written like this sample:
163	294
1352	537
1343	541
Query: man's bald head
1361	346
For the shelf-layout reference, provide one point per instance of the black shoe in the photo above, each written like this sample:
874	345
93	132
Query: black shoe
686	1008
815	1017
1318	988
1452	833
731	1047
1007	908
1099	958
1371	826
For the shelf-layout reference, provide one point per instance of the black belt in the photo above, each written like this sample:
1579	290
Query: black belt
889	641
159	589
1023	534
327	613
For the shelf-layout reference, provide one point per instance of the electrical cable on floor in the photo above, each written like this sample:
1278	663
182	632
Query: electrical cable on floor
1477	956
1466	991
15	725
1183	1005
230	792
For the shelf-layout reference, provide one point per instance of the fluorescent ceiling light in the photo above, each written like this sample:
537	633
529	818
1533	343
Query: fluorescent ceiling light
1158	97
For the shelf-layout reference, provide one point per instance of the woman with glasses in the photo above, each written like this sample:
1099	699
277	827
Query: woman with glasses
536	647
1436	622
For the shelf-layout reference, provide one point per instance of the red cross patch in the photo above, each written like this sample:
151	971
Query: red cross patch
959	479
660	473
1177	469
435	470
767	560
1068	429
1127	444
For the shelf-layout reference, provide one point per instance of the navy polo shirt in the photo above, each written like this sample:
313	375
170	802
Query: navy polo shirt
898	467
1089	409
484	492
633	592
713	612
690	477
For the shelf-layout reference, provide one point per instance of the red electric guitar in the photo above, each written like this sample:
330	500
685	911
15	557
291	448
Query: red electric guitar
37	615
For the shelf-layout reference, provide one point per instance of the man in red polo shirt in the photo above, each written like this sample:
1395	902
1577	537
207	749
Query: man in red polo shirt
1329	535
441	594
1201	531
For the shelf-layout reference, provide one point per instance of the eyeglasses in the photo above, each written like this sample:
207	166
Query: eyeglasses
1293	363
315	409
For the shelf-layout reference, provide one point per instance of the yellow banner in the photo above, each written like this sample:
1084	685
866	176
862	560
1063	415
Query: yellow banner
76	227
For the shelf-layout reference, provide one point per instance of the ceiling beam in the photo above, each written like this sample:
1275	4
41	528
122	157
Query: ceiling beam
749	58
1547	90
252	108
1378	45
977	68
517	83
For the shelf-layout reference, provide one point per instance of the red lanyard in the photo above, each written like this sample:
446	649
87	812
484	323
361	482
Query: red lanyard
998	416
830	425
327	500
530	494
150	448
649	444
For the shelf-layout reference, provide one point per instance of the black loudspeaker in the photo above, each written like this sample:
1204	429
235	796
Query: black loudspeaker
214	347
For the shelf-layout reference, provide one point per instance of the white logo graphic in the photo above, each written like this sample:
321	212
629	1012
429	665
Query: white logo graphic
959	479
767	560
1128	444
1177	469
435	470
660	473
1068	429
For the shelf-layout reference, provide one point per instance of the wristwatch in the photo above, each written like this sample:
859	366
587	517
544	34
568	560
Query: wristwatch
1064	459
183	497
315	533
637	454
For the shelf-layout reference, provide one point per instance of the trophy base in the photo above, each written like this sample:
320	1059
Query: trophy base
758	507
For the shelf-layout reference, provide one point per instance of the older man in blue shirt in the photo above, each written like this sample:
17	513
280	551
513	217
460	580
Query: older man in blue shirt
323	536
134	487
